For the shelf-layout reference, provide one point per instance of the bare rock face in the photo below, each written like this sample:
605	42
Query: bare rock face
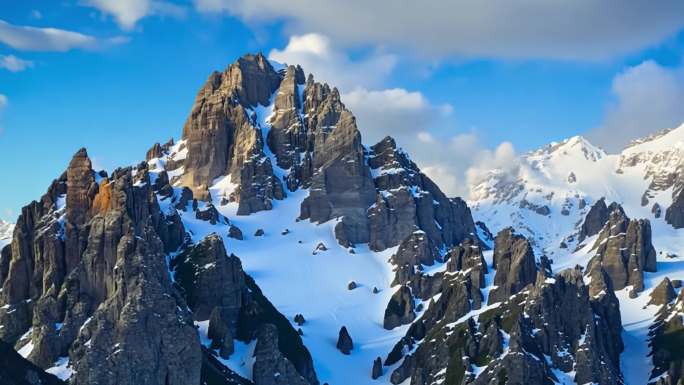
270	366
288	137
416	249
15	370
595	219
211	279
514	263
468	257
538	339
340	184
674	214
624	249
222	137
400	309
666	341
82	189
102	277
663	293
408	200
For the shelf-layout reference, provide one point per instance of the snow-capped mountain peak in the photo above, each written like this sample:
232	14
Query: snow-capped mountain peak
571	148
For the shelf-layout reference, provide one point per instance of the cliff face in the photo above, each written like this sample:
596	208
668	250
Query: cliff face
86	280
624	249
297	133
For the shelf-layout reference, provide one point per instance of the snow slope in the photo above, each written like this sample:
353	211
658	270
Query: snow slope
549	192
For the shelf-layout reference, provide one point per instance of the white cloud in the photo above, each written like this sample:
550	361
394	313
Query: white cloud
396	112
14	64
648	97
27	38
317	55
128	12
578	30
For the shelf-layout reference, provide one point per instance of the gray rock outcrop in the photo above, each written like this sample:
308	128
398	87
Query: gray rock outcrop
514	263
666	338
624	249
663	293
400	309
222	138
674	215
594	220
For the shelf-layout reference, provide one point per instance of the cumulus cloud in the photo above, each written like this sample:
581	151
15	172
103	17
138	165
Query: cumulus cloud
14	64
317	55
459	162
578	30
648	97
396	112
27	38
128	12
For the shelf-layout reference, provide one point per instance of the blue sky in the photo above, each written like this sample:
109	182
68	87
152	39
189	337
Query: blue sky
461	87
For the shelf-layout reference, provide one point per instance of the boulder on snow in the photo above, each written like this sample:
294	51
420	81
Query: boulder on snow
352	285
259	233
344	341
377	369
320	247
235	232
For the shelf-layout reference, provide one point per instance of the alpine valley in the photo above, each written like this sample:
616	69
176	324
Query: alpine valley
270	246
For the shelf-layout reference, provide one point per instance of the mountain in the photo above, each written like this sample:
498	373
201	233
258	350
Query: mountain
269	245
560	197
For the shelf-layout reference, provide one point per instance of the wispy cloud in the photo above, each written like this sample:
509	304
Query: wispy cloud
14	64
128	12
27	38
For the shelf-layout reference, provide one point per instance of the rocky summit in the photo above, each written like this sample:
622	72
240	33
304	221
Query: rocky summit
269	245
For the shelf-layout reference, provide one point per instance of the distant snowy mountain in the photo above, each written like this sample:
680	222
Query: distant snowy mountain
6	230
551	191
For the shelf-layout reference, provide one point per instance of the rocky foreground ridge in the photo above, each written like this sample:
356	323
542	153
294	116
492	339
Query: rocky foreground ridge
138	276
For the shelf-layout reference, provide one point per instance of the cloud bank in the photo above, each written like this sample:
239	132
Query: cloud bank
576	30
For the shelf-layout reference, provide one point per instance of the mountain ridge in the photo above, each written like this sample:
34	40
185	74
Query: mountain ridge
269	227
